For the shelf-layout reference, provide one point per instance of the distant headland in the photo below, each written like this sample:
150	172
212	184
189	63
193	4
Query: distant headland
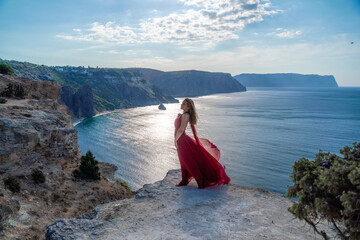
286	80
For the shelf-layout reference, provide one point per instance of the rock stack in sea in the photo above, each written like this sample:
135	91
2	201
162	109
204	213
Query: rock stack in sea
37	133
162	107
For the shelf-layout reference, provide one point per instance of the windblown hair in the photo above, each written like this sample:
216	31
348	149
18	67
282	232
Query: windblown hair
192	111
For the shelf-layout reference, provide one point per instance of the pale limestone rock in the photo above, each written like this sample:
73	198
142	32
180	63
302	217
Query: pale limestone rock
163	211
36	129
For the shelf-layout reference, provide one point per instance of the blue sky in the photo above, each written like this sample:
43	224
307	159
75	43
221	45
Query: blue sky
235	36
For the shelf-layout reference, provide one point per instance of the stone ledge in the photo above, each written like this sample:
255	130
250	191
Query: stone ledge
163	211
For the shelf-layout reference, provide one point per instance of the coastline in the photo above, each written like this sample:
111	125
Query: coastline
76	121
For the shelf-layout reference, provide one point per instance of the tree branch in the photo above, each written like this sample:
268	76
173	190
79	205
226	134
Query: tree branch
322	233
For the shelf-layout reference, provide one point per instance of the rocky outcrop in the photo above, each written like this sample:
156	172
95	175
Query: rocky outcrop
37	133
161	107
163	211
35	130
191	83
286	80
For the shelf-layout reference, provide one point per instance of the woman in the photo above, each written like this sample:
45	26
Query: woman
199	158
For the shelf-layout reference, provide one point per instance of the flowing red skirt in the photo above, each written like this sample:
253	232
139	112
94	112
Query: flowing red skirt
199	159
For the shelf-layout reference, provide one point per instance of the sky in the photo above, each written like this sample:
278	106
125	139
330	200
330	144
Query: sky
234	36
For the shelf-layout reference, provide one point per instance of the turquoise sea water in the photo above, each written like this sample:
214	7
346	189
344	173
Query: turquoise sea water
260	133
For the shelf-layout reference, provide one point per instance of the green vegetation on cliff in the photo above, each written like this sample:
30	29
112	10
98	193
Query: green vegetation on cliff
6	69
328	188
88	168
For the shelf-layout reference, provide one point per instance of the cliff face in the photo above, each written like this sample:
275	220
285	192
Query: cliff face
36	129
191	83
286	80
37	133
80	102
163	211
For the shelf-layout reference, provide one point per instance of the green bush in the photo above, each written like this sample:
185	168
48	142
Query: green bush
37	176
12	183
3	100
123	183
328	188
88	167
13	90
6	69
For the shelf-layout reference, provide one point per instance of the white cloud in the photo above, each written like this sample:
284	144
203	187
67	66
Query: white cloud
104	34
285	33
203	21
109	52
67	37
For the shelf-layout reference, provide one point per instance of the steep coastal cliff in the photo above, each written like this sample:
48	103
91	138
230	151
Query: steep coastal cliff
37	133
87	91
80	103
191	83
286	80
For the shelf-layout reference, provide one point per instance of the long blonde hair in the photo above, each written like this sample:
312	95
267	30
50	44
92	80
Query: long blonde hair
192	111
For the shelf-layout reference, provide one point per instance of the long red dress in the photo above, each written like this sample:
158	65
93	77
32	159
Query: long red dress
199	159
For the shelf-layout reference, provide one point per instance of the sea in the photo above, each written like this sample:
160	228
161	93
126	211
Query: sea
260	133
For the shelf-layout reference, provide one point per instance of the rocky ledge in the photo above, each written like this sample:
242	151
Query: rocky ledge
163	211
36	133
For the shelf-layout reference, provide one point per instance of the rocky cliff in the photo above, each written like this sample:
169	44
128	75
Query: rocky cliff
191	83
163	211
87	91
37	133
80	103
286	80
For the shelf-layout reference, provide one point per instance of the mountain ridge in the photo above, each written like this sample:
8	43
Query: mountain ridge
89	91
192	83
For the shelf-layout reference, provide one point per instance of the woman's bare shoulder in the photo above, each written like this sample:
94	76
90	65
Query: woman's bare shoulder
186	115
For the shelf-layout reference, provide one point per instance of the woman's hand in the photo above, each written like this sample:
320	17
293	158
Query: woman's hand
175	144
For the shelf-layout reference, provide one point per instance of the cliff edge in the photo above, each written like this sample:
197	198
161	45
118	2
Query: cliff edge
37	133
163	211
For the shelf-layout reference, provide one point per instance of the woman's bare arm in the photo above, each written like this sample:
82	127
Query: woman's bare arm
184	121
